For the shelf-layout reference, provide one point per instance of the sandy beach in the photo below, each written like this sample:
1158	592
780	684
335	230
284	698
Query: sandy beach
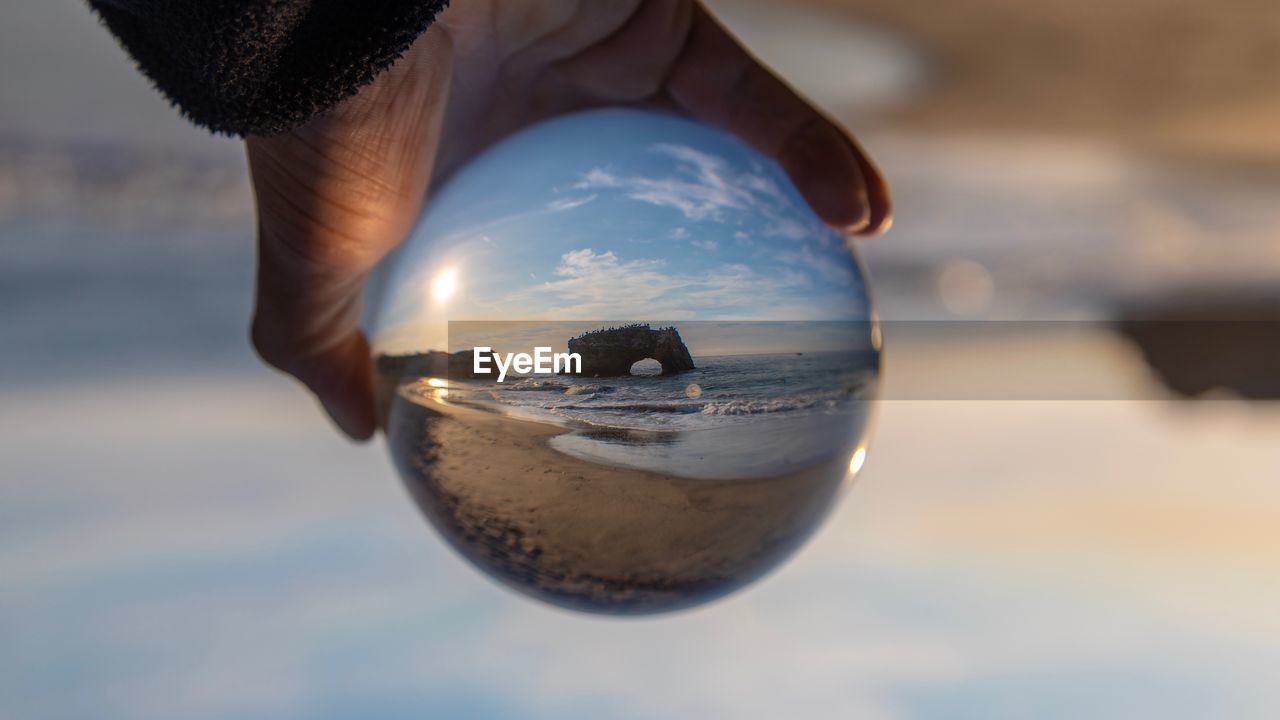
590	536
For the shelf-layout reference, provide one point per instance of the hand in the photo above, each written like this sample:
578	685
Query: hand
334	196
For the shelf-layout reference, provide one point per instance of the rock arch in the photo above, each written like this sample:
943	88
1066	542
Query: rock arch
610	352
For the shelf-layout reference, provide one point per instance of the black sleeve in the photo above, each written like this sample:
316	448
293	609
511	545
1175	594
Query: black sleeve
262	67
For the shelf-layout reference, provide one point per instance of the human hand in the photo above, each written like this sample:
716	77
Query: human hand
336	195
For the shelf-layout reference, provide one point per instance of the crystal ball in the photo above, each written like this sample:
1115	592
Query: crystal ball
622	367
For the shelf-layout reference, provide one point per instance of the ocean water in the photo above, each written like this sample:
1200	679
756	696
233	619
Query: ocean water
722	389
735	416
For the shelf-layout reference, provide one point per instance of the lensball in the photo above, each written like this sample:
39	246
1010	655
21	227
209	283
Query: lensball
621	365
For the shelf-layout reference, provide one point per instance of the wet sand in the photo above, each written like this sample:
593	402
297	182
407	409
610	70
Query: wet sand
590	536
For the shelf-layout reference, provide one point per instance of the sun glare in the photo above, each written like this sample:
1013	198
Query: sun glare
444	285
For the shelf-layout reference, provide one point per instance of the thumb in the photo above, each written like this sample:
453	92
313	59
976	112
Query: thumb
333	197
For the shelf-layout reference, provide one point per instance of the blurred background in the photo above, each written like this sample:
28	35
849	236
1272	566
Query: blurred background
183	536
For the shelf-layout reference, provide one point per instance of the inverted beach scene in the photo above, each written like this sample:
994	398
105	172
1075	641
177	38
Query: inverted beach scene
727	360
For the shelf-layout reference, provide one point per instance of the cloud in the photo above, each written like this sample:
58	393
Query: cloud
576	263
704	187
837	270
707	244
708	188
594	284
591	285
570	203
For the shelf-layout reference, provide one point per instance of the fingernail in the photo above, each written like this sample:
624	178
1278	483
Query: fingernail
867	230
877	223
860	227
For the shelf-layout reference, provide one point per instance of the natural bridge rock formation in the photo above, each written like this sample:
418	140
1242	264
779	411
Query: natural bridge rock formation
612	351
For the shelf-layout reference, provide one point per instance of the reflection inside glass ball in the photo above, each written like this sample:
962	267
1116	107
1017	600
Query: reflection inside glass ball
622	367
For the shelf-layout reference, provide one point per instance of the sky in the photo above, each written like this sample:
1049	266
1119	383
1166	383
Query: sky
616	215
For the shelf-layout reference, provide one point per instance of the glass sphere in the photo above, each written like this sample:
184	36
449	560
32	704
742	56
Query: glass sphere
621	365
